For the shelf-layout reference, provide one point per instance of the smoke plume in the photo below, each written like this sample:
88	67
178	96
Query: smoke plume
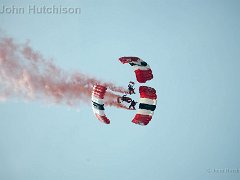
26	74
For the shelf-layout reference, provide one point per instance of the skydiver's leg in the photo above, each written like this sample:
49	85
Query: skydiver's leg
130	91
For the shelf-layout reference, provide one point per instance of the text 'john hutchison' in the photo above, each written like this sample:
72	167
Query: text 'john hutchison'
33	9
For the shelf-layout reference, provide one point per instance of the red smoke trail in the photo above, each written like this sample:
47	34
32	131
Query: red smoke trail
26	74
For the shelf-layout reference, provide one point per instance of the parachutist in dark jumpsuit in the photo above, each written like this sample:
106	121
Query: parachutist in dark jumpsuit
133	104
124	97
131	89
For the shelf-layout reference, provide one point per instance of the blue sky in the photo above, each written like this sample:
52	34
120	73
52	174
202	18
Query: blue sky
193	49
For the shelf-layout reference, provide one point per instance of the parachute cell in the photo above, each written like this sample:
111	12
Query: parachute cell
147	105
141	68
98	94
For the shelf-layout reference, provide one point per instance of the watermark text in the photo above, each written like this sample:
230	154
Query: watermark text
33	9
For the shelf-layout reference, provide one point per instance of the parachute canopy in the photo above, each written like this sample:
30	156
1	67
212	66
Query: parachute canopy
98	94
147	105
141	68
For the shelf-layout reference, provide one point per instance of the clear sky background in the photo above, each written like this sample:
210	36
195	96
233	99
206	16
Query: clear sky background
193	48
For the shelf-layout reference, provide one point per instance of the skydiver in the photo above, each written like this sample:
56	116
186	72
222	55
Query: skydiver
133	104
130	88
125	98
